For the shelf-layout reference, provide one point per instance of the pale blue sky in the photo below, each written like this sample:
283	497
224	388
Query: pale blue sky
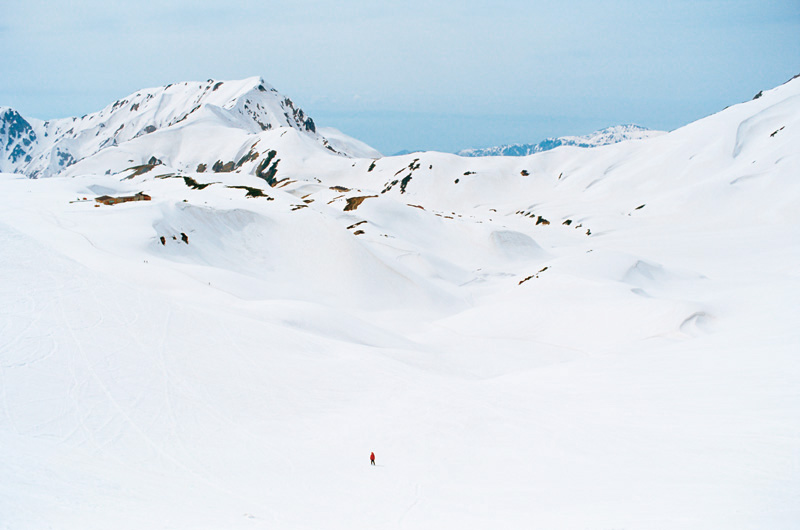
413	74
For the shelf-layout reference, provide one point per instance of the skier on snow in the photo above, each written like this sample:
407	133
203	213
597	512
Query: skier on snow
372	458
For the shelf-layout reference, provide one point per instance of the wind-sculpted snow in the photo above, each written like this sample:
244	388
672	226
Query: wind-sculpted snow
578	339
768	123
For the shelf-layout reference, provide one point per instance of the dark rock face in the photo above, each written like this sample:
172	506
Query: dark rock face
64	157
266	171
296	115
16	137
15	127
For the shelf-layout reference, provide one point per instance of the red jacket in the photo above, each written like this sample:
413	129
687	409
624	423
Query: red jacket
372	456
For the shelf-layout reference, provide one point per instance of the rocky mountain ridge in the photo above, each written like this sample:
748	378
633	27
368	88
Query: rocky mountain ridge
39	148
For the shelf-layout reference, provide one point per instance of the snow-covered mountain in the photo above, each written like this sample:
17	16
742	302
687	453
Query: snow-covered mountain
17	140
212	326
232	113
607	136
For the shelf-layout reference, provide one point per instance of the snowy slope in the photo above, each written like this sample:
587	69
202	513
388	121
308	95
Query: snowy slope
226	110
609	135
577	339
347	144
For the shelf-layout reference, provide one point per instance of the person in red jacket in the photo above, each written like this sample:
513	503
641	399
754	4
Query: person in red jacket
372	458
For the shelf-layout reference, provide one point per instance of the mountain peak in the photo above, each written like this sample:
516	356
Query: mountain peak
16	139
250	105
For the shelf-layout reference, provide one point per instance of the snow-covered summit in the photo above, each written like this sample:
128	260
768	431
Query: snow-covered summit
46	148
250	104
607	136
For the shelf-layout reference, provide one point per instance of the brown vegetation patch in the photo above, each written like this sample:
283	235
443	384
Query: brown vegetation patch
354	202
252	155
220	167
532	276
107	200
140	170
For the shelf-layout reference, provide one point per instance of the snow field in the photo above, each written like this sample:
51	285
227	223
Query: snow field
507	374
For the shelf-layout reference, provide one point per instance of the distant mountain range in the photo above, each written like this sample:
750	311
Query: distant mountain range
187	115
609	135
